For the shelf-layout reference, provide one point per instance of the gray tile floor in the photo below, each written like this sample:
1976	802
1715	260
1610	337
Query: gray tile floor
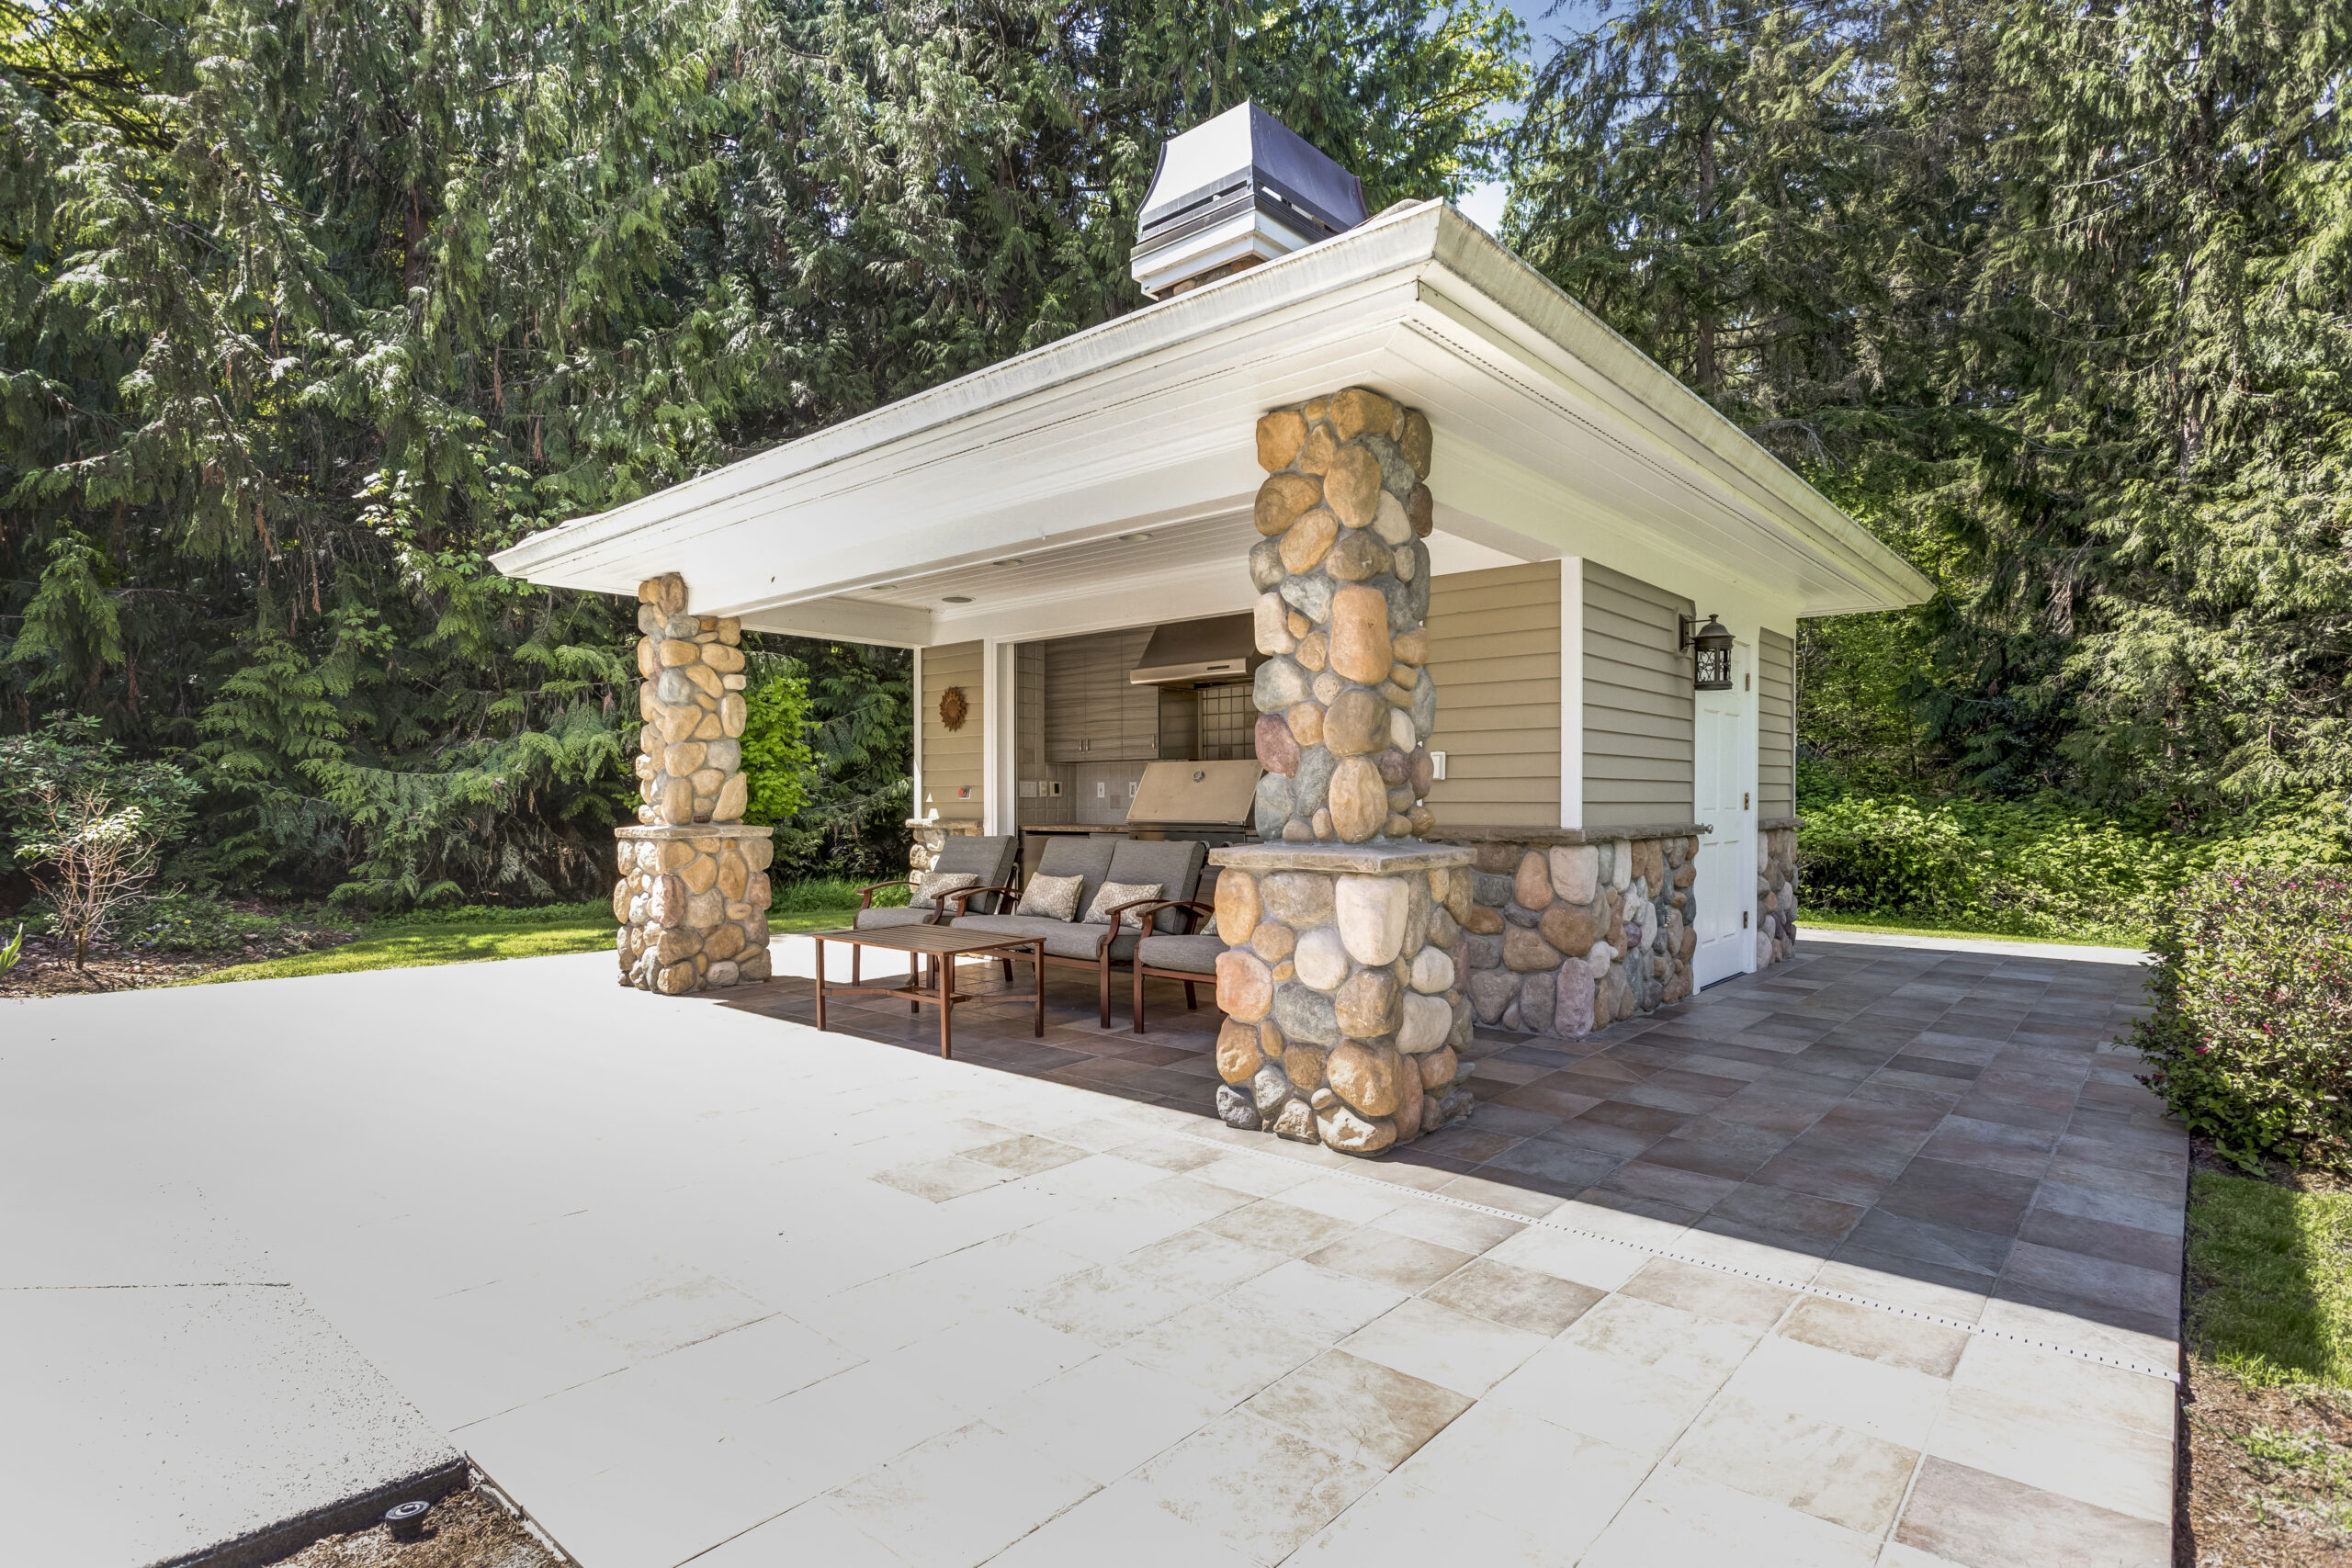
699	1286
1963	1120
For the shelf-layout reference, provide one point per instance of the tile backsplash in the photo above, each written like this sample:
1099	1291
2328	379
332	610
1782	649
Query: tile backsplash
1104	791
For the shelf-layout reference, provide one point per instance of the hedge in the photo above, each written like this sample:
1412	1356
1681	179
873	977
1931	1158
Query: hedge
2251	1043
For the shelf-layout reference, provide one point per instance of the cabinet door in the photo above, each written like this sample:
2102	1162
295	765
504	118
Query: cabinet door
1093	714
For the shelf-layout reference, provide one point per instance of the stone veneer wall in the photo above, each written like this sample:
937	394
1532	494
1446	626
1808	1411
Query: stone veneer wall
1776	890
1345	700
1571	930
693	891
1344	1017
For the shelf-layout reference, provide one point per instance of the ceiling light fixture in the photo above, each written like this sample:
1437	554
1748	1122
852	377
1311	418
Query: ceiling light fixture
956	599
1133	539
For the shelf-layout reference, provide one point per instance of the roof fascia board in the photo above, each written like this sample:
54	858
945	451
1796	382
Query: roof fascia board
1524	313
1370	254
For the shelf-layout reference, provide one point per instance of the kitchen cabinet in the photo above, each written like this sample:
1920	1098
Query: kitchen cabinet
1093	714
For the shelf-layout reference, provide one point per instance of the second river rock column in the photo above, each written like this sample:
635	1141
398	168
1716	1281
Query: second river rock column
1346	700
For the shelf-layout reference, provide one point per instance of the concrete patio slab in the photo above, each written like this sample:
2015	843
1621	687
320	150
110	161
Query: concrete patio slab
699	1284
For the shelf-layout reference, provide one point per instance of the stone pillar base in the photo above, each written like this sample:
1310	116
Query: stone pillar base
1776	890
693	903
1340	983
926	836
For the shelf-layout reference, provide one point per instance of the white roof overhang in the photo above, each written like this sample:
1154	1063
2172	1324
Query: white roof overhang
1012	486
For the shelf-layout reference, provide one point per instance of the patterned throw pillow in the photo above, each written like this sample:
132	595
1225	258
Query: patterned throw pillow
1115	894
1054	897
927	895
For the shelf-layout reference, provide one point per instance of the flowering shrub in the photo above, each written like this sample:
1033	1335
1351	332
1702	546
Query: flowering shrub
2251	1043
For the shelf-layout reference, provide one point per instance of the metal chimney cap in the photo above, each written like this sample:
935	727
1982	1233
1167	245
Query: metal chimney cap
1234	191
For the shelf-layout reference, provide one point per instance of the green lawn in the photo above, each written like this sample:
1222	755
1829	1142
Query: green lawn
1896	925
2271	1276
501	934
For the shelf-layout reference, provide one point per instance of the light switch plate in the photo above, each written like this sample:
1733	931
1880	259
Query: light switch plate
1437	765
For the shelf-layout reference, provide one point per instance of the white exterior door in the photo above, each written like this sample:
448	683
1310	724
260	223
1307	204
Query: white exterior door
1723	787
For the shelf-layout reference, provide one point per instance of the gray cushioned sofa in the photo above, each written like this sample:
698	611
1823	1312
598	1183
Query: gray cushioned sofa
1174	864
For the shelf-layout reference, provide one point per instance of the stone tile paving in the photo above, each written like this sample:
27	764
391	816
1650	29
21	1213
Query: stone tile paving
1872	1258
695	1286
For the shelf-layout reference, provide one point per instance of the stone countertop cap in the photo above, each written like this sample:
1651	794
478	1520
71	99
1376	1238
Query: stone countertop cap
1596	835
1375	858
1774	824
695	830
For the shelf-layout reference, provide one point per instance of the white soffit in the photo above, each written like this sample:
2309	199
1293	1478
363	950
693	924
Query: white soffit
1553	437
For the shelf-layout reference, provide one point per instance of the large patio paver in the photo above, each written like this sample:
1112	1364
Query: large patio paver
698	1284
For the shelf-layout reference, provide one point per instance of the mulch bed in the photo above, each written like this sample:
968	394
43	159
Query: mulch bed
2265	1473
2267	1482
464	1529
46	966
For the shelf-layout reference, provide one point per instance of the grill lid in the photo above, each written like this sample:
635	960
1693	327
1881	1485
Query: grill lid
1201	792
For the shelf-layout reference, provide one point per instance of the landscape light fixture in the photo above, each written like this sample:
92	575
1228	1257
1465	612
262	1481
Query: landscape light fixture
406	1520
1710	647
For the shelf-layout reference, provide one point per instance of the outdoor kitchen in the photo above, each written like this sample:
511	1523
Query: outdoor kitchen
1145	732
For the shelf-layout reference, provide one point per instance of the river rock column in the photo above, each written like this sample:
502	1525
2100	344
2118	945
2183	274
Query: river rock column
692	894
1346	700
1342	978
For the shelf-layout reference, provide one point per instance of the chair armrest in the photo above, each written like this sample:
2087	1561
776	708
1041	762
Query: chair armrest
959	895
865	894
1143	922
1153	905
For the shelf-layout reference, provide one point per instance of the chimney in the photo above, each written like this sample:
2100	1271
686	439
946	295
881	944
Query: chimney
1234	191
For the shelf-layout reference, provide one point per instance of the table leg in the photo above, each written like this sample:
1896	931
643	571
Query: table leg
945	968
821	984
1038	969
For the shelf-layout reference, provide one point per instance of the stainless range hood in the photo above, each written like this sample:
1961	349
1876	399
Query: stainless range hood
1190	653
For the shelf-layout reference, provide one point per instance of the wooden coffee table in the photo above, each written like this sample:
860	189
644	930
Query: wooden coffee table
942	945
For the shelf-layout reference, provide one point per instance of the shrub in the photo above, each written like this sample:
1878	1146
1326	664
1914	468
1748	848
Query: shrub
777	759
2250	1041
184	922
2044	866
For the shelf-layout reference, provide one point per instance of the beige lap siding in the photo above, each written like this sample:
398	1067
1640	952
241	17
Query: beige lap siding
1637	703
951	760
1776	666
1495	654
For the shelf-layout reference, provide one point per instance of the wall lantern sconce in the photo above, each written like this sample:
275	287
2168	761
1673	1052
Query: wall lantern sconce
1710	648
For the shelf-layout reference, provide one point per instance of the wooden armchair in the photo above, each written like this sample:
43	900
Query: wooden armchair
1181	955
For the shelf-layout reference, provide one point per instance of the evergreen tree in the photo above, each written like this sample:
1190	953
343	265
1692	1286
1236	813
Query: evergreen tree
306	308
2055	300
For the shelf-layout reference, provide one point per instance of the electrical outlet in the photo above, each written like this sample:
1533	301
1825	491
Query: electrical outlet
1437	765
1102	789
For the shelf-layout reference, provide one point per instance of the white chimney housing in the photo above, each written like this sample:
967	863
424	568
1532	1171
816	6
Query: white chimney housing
1234	191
